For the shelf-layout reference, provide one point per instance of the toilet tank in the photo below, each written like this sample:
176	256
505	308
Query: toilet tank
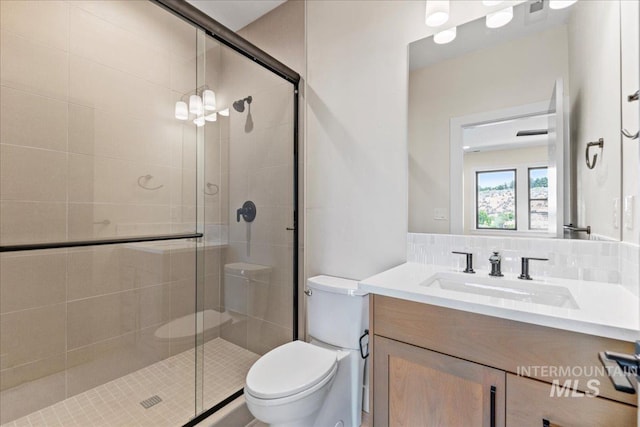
242	280
337	311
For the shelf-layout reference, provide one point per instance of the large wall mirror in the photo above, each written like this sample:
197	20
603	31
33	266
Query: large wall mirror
516	130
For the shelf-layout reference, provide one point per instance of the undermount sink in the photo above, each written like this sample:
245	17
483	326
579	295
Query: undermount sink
518	290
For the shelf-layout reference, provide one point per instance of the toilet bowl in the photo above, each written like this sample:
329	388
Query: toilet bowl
317	384
287	386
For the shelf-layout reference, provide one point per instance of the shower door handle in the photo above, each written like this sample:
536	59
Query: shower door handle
247	212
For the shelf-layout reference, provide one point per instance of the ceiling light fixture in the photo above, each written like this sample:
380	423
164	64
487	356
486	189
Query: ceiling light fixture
560	4
199	121
437	12
195	105
182	111
500	18
446	36
211	117
491	2
209	100
224	112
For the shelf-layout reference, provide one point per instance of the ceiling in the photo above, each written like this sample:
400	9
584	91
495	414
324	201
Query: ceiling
235	14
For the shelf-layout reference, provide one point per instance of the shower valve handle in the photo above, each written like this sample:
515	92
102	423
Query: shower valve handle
247	211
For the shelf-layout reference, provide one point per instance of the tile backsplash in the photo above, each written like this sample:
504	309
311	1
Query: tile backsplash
602	261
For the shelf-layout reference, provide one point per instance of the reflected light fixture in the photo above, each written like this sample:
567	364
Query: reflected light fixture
211	117
209	100
195	105
182	111
199	121
446	36
224	112
560	4
491	2
500	18
437	12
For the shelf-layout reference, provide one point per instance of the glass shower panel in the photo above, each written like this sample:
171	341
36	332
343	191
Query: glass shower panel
249	156
90	149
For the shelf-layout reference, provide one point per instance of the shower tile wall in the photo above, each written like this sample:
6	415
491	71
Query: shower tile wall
86	94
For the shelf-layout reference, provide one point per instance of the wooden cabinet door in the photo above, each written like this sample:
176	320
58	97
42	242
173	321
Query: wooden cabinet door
529	403
422	388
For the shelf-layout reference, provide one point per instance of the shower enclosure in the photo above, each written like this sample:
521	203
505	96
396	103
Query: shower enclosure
133	289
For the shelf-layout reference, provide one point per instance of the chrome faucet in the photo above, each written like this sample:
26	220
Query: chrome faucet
496	261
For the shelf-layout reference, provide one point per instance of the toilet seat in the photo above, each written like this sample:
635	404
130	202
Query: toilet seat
291	369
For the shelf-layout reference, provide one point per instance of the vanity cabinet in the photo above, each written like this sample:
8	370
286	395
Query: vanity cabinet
435	366
426	388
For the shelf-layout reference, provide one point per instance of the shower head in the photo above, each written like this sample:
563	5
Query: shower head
239	104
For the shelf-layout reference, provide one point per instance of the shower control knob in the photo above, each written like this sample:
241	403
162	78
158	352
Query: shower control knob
308	292
247	212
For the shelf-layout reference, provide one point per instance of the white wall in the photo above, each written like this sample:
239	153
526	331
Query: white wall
594	75
470	84
630	113
357	130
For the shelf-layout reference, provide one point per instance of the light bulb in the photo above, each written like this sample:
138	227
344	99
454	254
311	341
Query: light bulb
211	117
181	112
500	18
195	105
560	4
224	112
446	36
437	12
209	99
491	2
199	121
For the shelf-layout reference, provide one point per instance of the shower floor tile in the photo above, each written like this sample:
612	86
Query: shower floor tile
117	403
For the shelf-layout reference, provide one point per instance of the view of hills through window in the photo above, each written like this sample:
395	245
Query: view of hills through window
496	199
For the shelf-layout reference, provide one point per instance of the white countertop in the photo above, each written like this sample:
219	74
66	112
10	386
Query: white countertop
604	309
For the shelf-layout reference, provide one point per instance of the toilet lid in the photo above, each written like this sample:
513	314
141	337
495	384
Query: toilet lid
289	369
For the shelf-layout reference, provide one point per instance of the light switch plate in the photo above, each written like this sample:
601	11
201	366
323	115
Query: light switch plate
440	214
628	207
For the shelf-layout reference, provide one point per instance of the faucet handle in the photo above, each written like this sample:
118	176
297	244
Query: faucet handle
524	273
469	267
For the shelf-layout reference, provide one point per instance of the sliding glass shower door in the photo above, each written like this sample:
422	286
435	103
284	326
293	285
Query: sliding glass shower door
137	282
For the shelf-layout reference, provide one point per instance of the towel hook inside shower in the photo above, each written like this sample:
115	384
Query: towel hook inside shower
146	179
213	192
599	143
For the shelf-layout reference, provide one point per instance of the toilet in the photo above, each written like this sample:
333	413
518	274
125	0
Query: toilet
316	384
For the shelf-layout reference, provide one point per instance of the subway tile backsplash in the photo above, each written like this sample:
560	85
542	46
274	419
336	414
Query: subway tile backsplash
601	261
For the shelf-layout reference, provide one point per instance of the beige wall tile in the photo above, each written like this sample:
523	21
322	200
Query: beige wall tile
31	120
41	21
29	280
98	40
23	374
146	20
99	318
154	305
33	67
263	336
30	397
98	271
30	335
29	222
32	174
98	86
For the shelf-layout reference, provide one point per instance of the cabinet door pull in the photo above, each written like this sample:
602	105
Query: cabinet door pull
547	423
493	406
